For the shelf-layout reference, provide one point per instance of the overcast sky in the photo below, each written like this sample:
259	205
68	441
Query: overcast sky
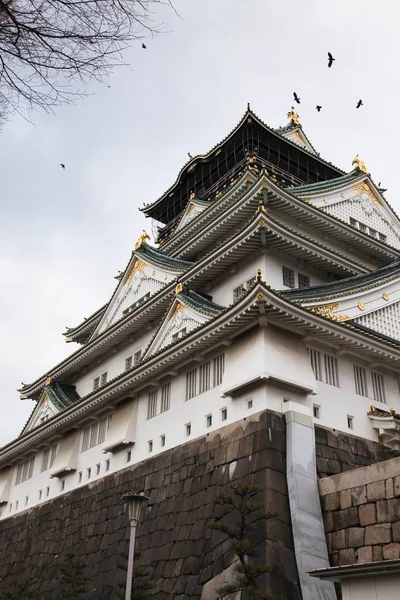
65	234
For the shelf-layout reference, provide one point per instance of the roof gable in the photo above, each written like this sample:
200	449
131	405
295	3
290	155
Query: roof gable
194	208
188	311
55	398
298	137
148	271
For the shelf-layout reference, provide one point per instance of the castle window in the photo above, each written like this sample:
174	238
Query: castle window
49	456
316	411
350	422
382	237
26	500
98	469
288	277
103	379
224	414
204	377
80	477
162	441
304	280
137	356
89	473
152	404
40	494
219	367
48	491
107	464
62	485
128	363
95	434
249	404
188	429
378	389
360	380
96	383
165	397
25	471
331	370
191	380
237	292
128	456
315	358
250	282
179	334
208	420
150	443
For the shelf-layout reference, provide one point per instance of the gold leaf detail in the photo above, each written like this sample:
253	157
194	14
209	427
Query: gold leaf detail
363	188
328	310
141	239
178	308
138	265
179	288
264	185
342	195
361	305
261	223
293	116
260	296
165	277
326	200
385	296
308	200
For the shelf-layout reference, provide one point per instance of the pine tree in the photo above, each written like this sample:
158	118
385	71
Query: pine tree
20	590
72	581
249	513
142	584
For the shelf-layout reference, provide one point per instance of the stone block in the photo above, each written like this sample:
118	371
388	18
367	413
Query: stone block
365	554
338	539
388	511
331	501
359	495
397	486
367	513
355	537
346	518
389	488
396	531
345	499
376	491
377	553
347	556
328	522
378	534
391	551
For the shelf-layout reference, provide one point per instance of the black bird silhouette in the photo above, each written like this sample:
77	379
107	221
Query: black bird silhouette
296	98
330	59
360	103
318	107
144	46
62	166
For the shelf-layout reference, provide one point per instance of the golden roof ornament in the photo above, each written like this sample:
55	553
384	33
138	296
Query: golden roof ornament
293	116
48	381
179	288
360	164
141	239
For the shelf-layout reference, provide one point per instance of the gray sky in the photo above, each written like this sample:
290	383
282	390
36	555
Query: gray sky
65	234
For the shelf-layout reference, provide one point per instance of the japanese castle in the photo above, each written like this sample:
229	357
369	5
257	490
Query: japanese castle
275	277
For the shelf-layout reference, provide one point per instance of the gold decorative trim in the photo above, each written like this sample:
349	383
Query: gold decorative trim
360	164
138	265
178	308
179	288
264	185
48	381
326	200
328	310
259	277
361	305
308	200
293	116
141	239
363	188
165	277
260	296
342	196
385	296
261	223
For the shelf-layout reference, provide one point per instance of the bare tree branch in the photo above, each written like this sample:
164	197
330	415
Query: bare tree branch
50	48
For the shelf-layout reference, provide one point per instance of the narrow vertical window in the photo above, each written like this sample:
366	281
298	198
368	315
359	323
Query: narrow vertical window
96	383
128	363
98	469
350	422
360	380
103	379
315	359
316	411
152	404
204	377
331	370
224	414
108	464
219	368
137	356
378	389
188	429
150	443
165	397
208	420
191	381
162	440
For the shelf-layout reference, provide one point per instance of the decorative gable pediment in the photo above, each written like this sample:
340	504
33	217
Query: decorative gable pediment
193	209
188	311
55	398
148	272
297	136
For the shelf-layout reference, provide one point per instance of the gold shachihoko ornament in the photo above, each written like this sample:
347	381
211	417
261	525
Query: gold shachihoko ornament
141	239
293	116
360	164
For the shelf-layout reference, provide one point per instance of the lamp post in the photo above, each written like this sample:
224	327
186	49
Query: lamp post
134	502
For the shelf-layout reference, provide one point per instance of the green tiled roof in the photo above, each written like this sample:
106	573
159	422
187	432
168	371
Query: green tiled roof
161	259
61	395
345	286
199	302
331	184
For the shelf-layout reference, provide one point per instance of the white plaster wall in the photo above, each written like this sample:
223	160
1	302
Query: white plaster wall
114	364
384	587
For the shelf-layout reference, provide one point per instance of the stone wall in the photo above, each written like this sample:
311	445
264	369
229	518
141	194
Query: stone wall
174	537
362	513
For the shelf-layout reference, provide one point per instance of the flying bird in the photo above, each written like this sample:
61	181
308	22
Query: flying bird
318	107
144	46
330	59
62	166
296	98
360	103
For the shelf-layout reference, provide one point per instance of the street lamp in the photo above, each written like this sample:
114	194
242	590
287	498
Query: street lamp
135	502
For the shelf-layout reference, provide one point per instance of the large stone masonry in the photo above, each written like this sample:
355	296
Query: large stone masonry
362	513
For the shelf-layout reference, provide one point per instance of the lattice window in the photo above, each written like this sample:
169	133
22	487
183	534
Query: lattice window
137	356
378	388
219	368
152	404
25	471
165	397
49	456
304	280
179	334
288	277
95	434
239	291
96	383
360	380
204	377
331	370
128	363
315	359
191	384
103	378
